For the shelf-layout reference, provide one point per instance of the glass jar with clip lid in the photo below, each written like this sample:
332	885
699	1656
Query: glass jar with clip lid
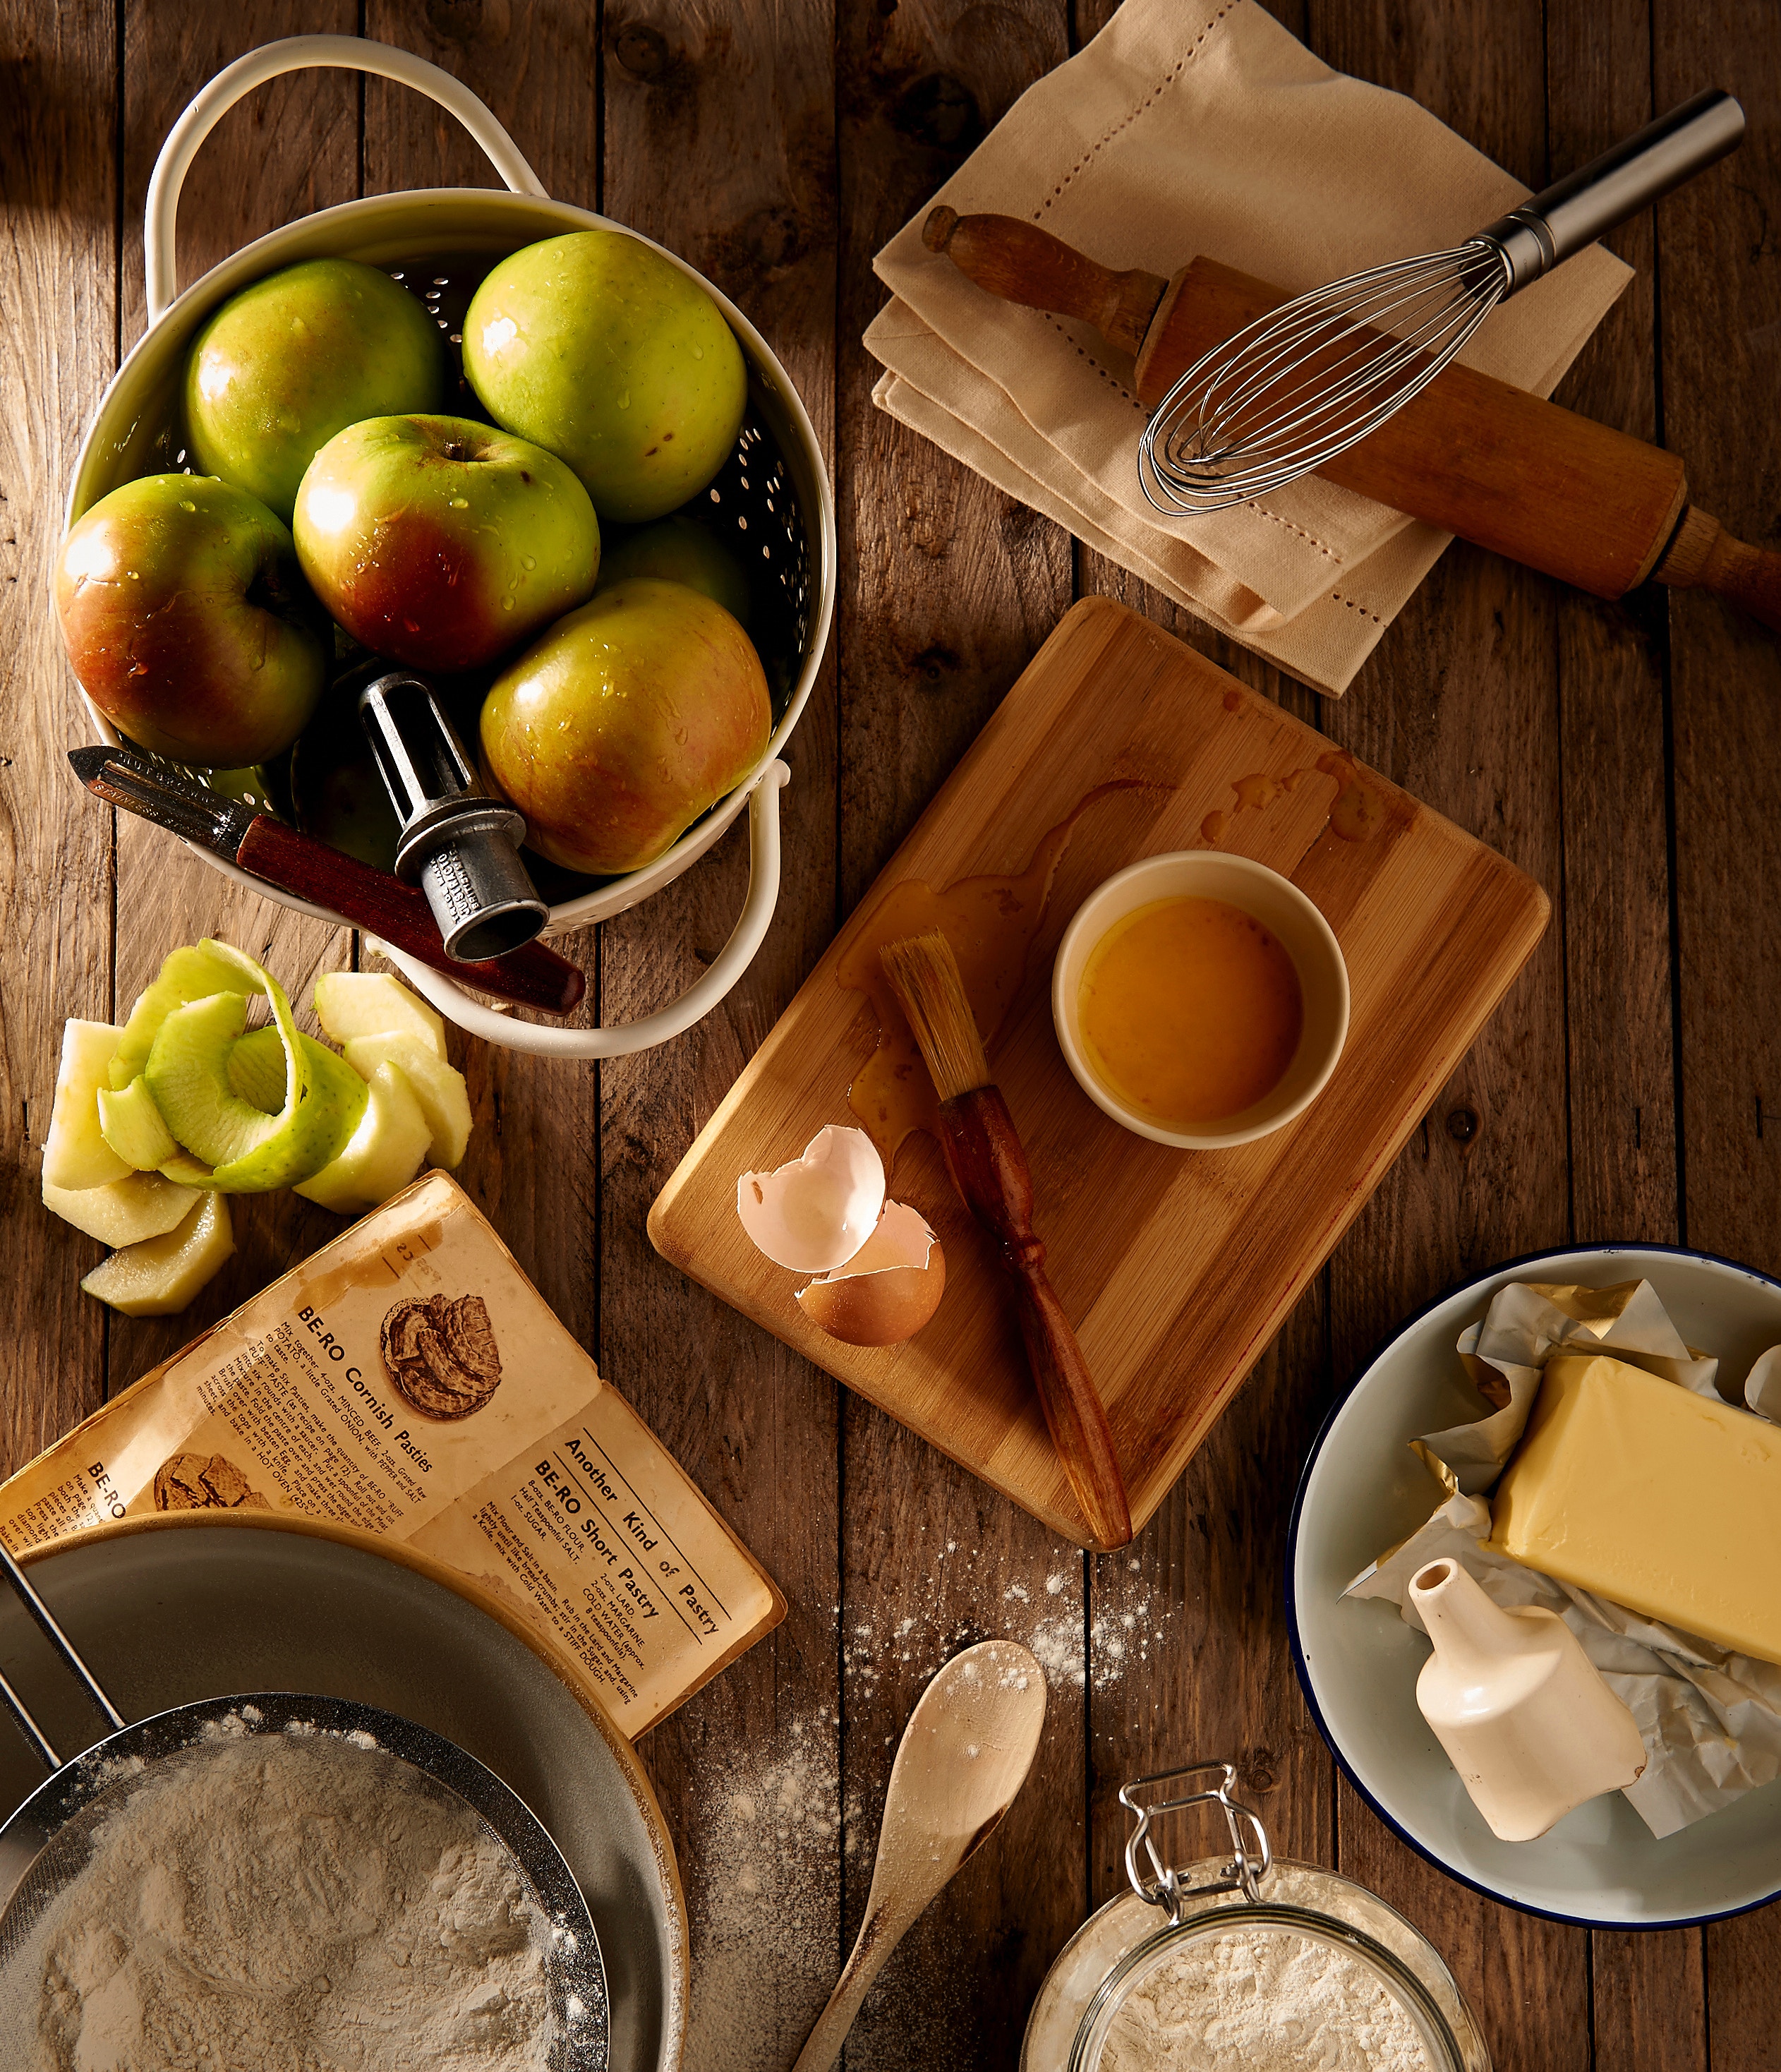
1247	1962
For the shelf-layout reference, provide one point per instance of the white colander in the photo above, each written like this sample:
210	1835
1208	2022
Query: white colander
784	499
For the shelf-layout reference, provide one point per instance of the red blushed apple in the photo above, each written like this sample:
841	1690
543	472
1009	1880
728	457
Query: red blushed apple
613	732
440	542
187	622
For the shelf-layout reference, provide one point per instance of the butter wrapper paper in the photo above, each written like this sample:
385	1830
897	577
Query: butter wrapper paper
1711	1719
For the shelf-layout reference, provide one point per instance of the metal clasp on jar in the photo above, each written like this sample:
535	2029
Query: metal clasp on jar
1251	1858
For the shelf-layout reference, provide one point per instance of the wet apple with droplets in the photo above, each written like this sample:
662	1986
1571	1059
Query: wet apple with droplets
440	543
188	622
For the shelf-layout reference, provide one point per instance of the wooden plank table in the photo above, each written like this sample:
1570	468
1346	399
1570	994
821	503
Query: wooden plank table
1629	757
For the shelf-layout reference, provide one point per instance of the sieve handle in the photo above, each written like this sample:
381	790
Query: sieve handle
1577	210
26	1595
736	955
301	54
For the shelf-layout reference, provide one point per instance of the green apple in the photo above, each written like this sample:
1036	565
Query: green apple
443	1095
597	346
141	1205
618	728
75	1153
349	1004
286	363
383	1154
441	543
679	549
160	1275
187	620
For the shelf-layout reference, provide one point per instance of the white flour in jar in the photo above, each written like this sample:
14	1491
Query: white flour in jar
281	1903
1254	2001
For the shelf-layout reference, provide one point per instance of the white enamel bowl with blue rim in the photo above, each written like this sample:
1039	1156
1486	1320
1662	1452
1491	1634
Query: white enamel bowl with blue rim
1362	1491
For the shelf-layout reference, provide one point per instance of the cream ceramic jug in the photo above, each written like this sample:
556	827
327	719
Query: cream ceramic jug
1520	1709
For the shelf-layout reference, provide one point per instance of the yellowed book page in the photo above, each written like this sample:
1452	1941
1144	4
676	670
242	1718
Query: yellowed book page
406	1377
598	1539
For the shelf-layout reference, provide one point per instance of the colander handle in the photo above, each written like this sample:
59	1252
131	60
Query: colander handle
301	54
736	955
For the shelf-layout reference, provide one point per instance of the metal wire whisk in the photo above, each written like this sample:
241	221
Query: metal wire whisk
1310	380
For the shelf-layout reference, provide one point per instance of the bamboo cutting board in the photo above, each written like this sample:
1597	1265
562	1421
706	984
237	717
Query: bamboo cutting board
1177	1267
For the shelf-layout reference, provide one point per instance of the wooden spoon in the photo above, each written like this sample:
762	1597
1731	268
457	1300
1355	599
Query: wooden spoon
964	1758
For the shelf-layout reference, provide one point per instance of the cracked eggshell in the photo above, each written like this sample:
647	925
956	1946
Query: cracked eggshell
887	1290
814	1213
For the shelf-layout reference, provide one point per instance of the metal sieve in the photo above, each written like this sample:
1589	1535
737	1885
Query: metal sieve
47	1842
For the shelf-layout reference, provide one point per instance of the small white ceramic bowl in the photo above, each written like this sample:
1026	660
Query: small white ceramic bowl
1280	906
1363	1490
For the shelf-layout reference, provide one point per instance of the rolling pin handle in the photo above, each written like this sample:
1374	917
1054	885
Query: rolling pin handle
1704	555
1019	262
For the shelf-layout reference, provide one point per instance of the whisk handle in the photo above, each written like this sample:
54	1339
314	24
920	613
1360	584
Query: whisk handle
1019	262
1577	210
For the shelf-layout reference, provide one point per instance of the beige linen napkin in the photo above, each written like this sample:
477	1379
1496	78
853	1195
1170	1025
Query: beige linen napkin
1185	128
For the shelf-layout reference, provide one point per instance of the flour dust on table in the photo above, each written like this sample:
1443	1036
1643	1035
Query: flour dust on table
764	1850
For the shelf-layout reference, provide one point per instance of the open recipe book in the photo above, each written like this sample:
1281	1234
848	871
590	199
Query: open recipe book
409	1380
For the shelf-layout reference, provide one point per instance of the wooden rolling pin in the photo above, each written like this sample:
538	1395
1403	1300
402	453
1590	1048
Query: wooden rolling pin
1474	456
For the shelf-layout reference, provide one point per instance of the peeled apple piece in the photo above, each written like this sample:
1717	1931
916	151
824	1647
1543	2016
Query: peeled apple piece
384	1153
141	1205
444	1098
349	1004
157	1278
75	1154
133	1126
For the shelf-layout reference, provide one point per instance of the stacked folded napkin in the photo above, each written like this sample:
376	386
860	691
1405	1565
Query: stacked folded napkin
1189	127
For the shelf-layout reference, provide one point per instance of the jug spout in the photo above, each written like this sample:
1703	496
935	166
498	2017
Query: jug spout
1520	1709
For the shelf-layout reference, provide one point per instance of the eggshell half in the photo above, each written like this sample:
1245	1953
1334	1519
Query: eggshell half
887	1290
816	1212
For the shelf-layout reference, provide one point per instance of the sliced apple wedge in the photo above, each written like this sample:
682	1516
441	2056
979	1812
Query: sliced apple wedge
350	1004
444	1099
126	1211
131	1125
384	1153
160	1277
75	1154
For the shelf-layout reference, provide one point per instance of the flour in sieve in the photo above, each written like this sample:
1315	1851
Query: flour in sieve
1257	2001
278	1903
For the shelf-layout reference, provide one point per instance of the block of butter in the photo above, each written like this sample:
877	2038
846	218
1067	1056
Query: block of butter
1661	1500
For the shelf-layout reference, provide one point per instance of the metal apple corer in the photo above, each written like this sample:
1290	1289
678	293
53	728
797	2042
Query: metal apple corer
47	1841
771	498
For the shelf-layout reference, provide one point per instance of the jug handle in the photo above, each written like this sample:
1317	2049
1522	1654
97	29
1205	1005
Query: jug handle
736	955
207	107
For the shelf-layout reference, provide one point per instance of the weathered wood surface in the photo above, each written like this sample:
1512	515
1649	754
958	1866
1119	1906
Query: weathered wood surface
1625	756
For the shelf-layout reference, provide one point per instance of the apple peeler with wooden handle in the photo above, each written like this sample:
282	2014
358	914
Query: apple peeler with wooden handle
1476	457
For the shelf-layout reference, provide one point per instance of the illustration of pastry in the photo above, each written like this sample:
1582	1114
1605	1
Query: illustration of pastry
203	1482
439	1353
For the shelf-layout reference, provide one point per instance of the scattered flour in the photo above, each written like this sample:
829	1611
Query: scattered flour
1255	2001
287	1904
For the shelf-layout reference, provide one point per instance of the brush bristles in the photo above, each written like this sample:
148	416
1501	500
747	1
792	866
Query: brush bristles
924	975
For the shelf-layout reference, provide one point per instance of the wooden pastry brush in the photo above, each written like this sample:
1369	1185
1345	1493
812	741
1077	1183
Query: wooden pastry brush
989	1168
